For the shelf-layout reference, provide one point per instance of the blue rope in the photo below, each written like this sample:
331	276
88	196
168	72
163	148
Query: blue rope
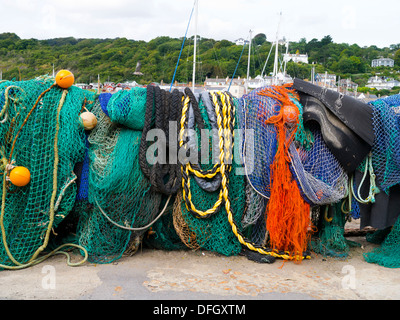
236	67
183	43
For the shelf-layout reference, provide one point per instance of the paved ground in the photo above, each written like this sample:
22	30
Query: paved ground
199	275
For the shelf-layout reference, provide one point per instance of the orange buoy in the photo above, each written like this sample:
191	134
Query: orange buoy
88	120
290	114
20	176
65	79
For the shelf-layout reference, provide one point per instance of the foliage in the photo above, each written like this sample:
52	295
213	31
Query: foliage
116	59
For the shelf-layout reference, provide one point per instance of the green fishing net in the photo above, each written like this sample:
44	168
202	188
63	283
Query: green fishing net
162	234
41	131
122	204
213	233
120	108
388	253
330	240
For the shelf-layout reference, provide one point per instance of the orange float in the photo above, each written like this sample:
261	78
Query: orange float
20	176
290	114
65	79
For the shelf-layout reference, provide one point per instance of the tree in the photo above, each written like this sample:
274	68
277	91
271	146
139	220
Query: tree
260	38
326	40
397	58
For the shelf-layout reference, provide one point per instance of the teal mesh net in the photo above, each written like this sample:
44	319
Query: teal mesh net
41	131
388	253
121	204
213	233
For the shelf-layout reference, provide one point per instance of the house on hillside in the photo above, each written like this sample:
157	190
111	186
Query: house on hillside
297	57
346	86
381	83
326	80
241	42
382	62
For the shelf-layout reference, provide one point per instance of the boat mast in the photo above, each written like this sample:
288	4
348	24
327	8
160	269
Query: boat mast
195	44
287	52
275	72
248	65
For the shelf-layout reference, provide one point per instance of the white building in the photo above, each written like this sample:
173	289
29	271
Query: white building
383	62
380	83
326	80
241	42
297	57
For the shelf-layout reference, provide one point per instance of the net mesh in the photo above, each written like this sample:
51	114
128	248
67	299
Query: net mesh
386	148
40	131
119	194
321	178
388	253
213	233
330	240
386	166
88	187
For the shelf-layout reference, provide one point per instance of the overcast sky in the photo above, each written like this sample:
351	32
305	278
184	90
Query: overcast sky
364	22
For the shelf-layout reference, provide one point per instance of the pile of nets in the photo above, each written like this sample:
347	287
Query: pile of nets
320	178
200	215
385	164
330	241
386	148
122	203
40	130
177	170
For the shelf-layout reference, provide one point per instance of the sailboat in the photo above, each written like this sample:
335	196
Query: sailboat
279	76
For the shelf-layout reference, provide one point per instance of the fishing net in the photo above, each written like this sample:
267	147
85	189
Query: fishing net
386	148
320	177
384	162
122	202
41	131
255	206
330	240
162	234
253	111
212	231
162	167
121	107
388	253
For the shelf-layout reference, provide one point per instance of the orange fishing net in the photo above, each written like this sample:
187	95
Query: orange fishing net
288	215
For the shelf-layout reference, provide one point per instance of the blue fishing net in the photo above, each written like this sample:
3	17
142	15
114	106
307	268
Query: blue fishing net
258	154
386	148
320	177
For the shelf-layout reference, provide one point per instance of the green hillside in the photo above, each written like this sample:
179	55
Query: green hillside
116	59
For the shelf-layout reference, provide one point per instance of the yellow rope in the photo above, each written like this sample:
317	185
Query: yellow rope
34	259
188	169
6	103
224	132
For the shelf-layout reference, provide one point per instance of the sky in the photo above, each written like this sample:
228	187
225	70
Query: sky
362	22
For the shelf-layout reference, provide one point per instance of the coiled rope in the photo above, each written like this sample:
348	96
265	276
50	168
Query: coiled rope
226	134
165	107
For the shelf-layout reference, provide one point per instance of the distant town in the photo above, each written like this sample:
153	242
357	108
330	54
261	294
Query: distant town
240	86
